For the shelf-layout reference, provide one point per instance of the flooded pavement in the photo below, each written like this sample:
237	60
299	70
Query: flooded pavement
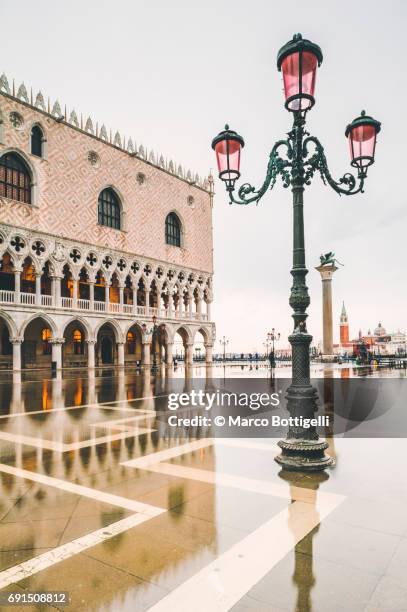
99	499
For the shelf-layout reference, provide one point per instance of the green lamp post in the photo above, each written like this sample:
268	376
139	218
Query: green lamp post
303	156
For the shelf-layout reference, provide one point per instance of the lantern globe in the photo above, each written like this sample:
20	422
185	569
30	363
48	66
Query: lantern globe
362	135
298	61
227	146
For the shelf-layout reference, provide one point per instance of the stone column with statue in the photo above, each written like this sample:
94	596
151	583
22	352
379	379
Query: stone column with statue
326	269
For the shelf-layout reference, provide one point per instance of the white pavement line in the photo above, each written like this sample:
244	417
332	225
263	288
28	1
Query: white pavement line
63	448
222	583
139	416
155	462
61	553
104	405
170	453
240	482
70	487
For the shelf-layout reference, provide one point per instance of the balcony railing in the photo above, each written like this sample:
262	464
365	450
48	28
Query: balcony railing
6	296
84	304
27	298
67	303
46	300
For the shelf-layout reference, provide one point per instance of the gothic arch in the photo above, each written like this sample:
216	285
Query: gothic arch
12	328
120	200
31	169
183	331
182	244
206	334
80	320
44	140
133	324
116	328
44	317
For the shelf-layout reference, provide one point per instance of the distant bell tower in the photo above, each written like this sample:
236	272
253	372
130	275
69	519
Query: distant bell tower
344	326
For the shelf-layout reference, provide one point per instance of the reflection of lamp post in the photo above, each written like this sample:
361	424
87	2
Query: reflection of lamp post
304	156
303	576
224	342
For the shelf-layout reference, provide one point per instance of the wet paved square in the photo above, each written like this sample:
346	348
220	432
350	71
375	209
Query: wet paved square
99	499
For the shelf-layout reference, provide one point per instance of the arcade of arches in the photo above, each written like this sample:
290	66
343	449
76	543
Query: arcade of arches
42	340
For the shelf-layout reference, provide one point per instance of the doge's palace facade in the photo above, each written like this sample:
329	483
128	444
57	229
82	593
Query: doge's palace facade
105	247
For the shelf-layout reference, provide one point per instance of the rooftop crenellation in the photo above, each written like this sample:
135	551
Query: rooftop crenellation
88	126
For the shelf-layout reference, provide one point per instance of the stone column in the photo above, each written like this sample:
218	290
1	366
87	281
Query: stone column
56	290
91	295
147	296
74	293
208	353
91	353
135	299
56	344
190	305
199	306
145	357
107	296
208	310
38	289
121	297
189	353
169	348
120	354
170	304
327	273
16	342
17	284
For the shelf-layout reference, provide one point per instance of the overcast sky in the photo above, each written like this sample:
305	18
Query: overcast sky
171	74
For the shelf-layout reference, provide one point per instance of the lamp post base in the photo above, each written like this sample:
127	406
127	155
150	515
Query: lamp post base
302	449
303	455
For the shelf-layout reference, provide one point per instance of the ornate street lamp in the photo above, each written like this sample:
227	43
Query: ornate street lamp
224	342
155	331
273	337
298	61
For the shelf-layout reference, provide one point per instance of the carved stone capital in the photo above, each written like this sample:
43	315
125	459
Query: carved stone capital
57	340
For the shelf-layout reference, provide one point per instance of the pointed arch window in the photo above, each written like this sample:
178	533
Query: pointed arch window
173	230
15	178
109	209
37	141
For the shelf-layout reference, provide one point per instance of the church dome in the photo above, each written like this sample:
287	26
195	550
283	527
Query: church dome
380	331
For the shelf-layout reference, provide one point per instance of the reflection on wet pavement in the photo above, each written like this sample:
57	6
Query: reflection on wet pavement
98	498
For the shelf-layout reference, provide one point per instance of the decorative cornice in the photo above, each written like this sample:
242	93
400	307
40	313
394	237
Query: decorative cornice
89	127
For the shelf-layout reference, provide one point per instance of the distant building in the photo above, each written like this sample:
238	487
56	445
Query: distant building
380	342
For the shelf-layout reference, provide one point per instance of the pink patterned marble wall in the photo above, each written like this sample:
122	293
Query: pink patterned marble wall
69	185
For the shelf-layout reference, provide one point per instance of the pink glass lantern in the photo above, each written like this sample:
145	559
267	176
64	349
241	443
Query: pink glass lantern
298	61
227	146
362	134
